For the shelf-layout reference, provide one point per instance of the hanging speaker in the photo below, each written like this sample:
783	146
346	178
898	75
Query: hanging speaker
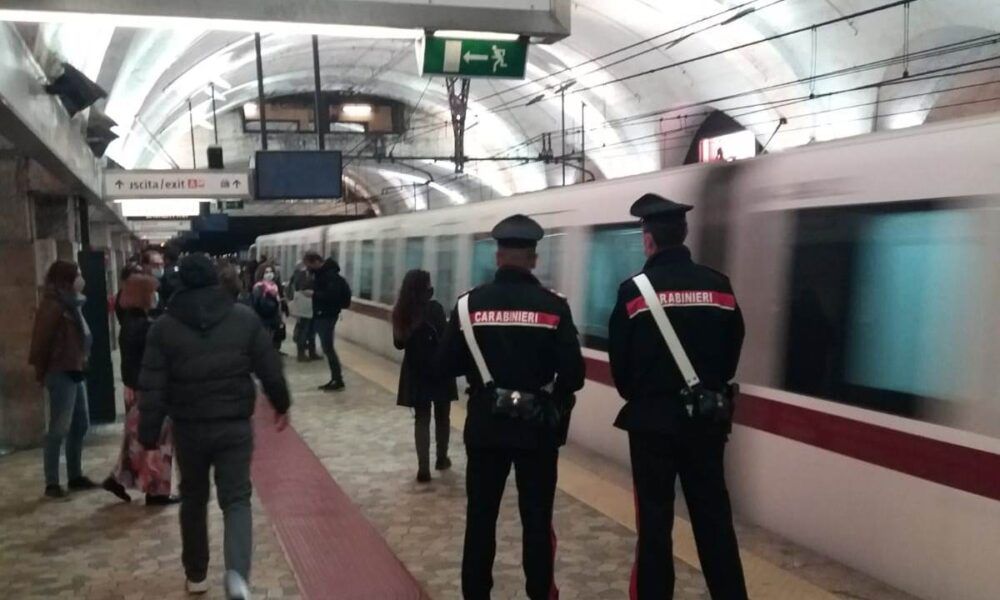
215	158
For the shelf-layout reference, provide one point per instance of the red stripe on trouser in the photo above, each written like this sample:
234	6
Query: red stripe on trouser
633	586
553	590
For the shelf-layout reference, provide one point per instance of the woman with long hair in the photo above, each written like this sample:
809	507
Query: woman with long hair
418	322
146	470
60	347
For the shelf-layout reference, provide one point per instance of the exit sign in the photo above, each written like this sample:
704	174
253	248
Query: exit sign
473	58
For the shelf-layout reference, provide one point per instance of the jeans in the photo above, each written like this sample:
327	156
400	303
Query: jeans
227	446
422	432
69	419
304	336
326	329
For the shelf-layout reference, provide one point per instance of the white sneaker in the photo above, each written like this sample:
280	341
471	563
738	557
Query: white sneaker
236	587
197	587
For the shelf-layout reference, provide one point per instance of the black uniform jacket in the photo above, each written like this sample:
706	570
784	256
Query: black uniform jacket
528	339
703	311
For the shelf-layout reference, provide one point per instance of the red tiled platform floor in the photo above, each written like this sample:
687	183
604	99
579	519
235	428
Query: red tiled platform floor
335	552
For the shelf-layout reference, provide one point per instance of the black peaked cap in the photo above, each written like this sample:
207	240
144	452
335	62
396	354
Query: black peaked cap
653	207
518	231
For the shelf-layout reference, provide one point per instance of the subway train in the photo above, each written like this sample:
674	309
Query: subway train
868	428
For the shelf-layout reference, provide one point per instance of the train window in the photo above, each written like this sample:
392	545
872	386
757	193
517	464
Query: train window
615	254
879	305
387	295
414	258
366	267
549	253
444	278
484	263
346	268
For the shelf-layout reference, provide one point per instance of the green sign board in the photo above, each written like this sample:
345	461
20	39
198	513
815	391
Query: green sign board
473	58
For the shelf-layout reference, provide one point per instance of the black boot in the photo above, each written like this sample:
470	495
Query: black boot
117	489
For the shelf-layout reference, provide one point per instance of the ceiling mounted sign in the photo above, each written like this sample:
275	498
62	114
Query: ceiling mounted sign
473	57
180	183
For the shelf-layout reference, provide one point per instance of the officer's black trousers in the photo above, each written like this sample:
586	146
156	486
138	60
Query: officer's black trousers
535	472
697	457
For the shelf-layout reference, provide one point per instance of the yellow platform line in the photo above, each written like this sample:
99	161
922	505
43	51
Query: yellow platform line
765	580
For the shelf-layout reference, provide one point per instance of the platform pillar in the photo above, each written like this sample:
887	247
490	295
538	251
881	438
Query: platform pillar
24	259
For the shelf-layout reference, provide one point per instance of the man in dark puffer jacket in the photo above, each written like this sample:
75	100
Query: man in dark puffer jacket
197	369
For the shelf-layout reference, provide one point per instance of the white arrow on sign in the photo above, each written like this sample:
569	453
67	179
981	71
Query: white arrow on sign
469	57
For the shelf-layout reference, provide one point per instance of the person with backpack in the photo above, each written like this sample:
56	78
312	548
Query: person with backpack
331	294
266	302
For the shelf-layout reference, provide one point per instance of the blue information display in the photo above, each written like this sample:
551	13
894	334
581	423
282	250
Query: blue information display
298	175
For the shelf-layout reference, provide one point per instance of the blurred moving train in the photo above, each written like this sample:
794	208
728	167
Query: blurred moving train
869	426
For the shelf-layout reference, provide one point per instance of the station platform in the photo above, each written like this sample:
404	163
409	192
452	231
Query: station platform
338	515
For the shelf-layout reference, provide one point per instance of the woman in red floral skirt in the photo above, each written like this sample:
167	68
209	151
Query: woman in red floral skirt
146	470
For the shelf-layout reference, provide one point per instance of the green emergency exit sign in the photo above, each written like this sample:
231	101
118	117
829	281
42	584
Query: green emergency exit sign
473	58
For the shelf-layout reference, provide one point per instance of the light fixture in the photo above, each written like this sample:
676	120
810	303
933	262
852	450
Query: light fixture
205	24
477	35
357	111
251	110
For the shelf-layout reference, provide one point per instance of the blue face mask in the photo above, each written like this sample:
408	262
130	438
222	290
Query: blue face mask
158	272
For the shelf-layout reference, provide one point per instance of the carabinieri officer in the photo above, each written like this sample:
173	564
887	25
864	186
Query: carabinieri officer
677	415
516	344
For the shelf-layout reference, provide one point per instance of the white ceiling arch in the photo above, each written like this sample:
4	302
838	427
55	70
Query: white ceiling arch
641	106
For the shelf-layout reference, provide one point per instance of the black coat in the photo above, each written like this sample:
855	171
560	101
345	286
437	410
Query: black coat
419	385
135	325
701	307
528	339
331	292
199	360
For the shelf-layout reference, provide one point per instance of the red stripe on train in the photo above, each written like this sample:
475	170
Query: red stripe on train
960	467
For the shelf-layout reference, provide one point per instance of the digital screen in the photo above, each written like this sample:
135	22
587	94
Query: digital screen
216	223
298	175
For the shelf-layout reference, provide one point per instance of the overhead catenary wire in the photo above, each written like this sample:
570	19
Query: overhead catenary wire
716	53
626	48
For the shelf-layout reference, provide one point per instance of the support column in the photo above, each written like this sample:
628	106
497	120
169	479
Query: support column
25	259
55	219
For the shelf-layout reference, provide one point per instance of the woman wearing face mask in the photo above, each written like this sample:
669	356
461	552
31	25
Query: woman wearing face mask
138	468
266	302
417	325
60	346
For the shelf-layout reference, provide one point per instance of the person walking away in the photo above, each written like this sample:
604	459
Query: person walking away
168	281
60	347
197	370
146	470
266	302
330	295
300	307
418	322
517	346
675	336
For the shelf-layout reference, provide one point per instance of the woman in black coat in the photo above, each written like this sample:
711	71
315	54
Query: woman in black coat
418	323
